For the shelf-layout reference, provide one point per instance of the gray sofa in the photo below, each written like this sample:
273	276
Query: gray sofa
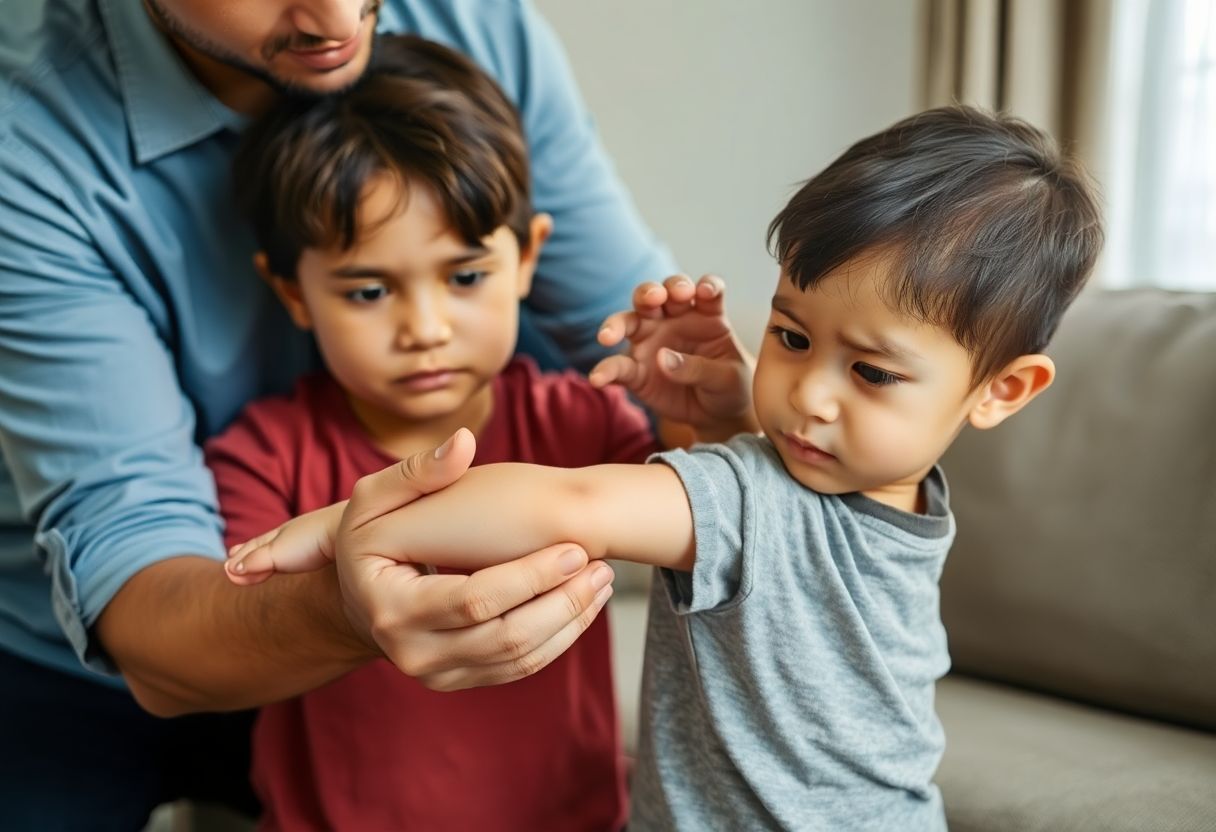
1080	596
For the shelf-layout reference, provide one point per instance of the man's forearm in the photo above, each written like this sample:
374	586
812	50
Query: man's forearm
187	639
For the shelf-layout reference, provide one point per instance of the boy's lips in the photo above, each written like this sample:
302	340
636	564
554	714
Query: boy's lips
427	380
805	451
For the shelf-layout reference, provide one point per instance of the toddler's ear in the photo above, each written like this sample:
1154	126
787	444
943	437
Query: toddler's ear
538	233
288	291
1011	389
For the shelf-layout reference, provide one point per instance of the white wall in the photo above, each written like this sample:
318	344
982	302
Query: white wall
714	110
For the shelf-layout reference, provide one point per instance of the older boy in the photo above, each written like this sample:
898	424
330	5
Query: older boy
396	226
794	637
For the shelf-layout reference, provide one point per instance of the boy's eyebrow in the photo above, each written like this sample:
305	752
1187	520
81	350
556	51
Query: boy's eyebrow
356	271
469	254
880	345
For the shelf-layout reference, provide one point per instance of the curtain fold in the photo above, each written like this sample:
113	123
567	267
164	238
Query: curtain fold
1043	60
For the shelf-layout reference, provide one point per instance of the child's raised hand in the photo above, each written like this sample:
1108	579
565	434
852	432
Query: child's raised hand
302	544
684	361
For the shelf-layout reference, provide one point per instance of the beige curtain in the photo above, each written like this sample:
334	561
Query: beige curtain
1042	60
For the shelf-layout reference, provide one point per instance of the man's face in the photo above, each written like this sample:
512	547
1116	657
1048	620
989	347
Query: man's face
304	46
854	395
412	321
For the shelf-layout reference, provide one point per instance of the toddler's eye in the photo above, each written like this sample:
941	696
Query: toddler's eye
367	294
466	280
874	376
791	340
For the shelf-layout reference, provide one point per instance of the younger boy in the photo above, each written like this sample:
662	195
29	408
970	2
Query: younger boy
396	225
794	637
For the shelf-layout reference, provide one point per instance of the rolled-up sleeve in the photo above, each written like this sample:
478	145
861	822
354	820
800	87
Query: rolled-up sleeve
96	434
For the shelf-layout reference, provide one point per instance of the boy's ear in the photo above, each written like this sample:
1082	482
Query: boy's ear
538	233
287	290
1012	389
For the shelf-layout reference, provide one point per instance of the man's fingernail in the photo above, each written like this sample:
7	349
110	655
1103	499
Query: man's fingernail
671	359
238	567
602	577
443	449
602	596
571	561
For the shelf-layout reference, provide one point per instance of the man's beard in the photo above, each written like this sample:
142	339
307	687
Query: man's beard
196	40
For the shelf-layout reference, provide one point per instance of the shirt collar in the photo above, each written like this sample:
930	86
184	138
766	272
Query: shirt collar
167	108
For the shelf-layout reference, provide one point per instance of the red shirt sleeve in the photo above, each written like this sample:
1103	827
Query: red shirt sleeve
629	436
248	463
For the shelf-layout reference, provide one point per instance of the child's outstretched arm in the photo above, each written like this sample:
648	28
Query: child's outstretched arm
684	361
497	513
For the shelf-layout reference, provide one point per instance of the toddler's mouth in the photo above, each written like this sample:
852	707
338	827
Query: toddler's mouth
806	451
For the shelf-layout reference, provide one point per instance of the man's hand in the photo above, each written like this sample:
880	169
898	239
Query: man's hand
458	631
684	361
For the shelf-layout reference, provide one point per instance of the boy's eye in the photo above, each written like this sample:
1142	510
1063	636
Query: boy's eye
791	340
466	280
874	376
367	294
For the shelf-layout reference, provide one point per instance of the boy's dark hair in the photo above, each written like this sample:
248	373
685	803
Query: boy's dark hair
421	113
992	231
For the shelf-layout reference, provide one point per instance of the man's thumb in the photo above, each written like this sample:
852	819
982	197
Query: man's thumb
418	474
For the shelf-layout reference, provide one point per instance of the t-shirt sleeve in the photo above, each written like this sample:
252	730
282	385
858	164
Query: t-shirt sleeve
720	490
250	477
97	436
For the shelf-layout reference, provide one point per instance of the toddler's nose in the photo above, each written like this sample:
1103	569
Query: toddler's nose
815	398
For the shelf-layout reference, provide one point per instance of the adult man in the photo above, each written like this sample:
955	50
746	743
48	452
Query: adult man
131	328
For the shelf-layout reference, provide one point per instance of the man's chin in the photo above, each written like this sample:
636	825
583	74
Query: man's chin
306	82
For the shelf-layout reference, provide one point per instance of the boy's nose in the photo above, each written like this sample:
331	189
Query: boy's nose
423	324
814	397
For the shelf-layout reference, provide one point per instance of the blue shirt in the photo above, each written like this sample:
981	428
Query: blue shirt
132	325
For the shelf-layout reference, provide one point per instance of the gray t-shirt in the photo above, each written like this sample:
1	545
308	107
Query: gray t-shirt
789	677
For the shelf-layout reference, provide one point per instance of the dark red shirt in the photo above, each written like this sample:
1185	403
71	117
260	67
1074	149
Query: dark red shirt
375	750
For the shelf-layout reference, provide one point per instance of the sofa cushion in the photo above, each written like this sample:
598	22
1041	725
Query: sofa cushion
1021	762
1085	562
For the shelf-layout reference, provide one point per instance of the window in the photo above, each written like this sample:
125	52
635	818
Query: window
1161	180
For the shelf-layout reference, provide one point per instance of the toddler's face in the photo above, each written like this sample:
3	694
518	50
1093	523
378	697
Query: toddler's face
854	395
413	322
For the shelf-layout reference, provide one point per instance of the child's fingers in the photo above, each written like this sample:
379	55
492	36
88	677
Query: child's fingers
257	559
252	543
617	369
680	294
711	294
648	300
244	577
617	327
